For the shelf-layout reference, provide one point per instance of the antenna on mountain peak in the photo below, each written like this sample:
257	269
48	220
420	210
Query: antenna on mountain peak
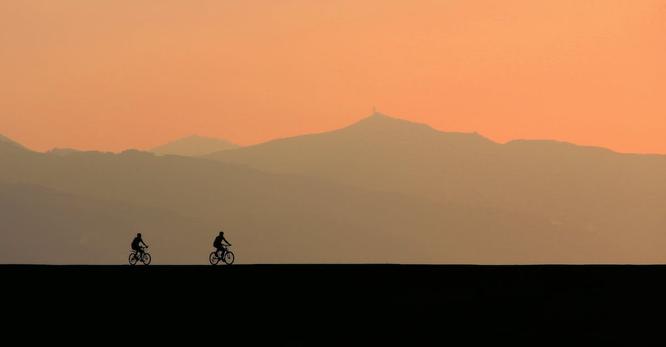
374	110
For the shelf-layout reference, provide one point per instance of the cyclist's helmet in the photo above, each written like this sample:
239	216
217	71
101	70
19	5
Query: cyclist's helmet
138	234
221	233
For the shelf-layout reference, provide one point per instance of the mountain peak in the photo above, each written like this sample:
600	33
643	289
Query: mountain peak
379	120
377	114
379	125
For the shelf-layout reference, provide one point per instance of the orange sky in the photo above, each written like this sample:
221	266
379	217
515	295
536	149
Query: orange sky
110	75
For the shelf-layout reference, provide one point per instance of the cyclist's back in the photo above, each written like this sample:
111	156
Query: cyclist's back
218	242
137	243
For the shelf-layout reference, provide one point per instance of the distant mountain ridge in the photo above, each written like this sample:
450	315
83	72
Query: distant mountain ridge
193	146
7	142
605	192
380	190
269	218
390	154
62	151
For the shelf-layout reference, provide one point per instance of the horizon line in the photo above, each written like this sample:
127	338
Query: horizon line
374	114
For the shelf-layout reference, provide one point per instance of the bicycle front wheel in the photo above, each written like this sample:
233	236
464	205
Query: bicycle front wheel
146	259
213	258
229	258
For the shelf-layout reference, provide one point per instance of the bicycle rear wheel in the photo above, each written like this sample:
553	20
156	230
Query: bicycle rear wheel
229	258
146	259
213	258
133	259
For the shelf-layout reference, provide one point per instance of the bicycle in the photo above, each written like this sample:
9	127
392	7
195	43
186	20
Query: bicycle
134	258
227	256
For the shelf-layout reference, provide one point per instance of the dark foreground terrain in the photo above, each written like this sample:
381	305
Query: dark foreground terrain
313	305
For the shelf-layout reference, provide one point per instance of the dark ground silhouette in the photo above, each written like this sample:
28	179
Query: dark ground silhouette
349	304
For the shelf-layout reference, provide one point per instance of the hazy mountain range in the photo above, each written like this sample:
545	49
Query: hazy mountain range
193	146
9	144
380	190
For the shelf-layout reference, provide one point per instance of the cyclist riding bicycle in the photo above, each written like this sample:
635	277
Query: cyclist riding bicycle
219	246
137	245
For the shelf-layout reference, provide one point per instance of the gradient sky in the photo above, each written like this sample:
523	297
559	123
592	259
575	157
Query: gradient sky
115	74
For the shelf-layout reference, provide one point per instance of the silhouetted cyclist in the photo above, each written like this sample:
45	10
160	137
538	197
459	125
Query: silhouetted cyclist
137	245
219	245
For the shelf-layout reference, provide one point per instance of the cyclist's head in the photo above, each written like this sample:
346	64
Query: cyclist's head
221	233
138	235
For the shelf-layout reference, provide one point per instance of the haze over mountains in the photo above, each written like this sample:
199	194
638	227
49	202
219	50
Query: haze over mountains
193	146
619	197
380	190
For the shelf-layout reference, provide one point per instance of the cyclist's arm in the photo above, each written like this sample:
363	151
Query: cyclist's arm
144	243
